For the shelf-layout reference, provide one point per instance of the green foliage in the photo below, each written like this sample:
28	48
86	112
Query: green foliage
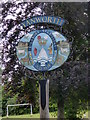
52	105
4	103
13	100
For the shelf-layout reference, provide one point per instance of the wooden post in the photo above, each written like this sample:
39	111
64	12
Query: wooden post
44	98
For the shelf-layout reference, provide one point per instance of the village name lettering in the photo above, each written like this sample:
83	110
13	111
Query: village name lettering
42	19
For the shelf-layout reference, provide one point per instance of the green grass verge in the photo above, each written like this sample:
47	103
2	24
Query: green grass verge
52	115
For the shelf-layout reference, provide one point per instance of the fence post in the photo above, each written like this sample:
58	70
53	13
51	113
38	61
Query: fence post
7	110
31	108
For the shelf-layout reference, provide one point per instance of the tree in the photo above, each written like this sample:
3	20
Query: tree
64	80
16	77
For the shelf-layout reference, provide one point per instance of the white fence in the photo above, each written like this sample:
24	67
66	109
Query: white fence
19	105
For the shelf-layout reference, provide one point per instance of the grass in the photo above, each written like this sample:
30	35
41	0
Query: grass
25	116
30	116
52	115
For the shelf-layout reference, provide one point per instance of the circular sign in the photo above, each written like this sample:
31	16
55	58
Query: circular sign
43	50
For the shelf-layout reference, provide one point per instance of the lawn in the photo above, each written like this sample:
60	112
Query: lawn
52	115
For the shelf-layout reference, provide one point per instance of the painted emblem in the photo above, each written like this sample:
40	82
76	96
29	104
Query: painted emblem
43	50
35	51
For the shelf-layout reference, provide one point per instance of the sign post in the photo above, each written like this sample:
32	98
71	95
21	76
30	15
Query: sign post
44	98
43	50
